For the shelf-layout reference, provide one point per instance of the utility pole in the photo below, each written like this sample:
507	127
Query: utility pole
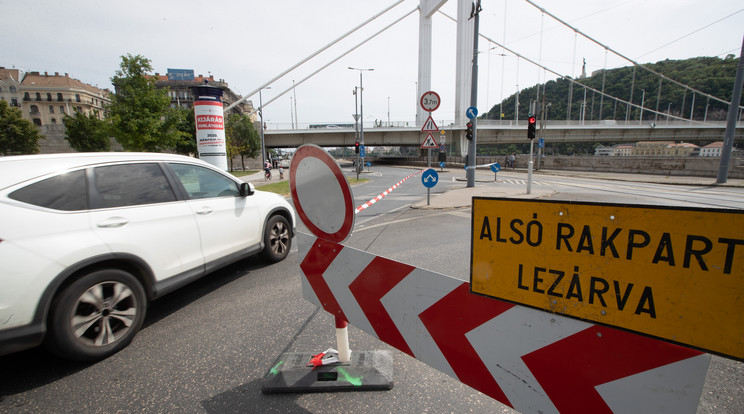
728	140
475	12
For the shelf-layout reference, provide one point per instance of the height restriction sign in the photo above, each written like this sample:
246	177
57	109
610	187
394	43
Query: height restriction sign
430	101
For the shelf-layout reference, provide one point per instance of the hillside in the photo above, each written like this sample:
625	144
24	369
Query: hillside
708	74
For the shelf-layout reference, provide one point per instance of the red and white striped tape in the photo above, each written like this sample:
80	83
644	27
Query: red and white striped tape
530	360
384	193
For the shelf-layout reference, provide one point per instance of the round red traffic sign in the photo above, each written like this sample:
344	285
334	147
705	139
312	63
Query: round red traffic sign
430	101
321	194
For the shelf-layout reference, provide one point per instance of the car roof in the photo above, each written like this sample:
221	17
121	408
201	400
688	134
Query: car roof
19	168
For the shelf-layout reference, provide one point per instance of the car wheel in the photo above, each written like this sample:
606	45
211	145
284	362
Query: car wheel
277	239
97	315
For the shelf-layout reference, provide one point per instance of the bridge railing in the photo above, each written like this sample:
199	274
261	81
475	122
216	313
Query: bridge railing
491	123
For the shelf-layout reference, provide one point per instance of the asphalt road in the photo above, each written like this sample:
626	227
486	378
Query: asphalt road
207	347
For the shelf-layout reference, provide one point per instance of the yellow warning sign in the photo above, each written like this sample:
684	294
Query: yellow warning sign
672	273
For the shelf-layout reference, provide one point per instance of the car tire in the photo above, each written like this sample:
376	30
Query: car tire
96	316
277	239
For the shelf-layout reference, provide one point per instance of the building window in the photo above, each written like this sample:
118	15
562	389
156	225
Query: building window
61	109
51	109
77	97
38	96
54	121
79	109
37	121
34	110
59	97
49	96
26	97
12	88
14	102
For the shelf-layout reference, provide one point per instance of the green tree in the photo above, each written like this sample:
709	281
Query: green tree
140	114
183	120
242	138
17	135
86	133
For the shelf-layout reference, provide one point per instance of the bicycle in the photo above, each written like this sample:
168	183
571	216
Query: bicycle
267	175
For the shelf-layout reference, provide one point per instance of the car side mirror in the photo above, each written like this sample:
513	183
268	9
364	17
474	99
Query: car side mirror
247	189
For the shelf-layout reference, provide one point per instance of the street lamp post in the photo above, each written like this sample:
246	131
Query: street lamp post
260	111
361	113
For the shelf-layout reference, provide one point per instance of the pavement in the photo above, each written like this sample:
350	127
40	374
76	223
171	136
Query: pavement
458	195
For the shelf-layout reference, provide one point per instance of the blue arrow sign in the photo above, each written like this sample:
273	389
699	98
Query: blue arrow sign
361	151
368	164
541	143
495	167
441	164
430	178
472	112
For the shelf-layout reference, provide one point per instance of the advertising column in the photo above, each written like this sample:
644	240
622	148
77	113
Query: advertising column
210	125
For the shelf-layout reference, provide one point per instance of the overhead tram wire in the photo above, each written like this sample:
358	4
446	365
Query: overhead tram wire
627	58
321	50
336	59
569	78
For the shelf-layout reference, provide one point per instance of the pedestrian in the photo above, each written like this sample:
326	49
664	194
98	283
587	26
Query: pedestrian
513	161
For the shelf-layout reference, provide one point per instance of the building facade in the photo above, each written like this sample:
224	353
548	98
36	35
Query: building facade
180	82
665	149
712	150
46	98
10	87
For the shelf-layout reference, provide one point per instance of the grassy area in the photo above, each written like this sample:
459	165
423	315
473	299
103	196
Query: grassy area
282	187
243	173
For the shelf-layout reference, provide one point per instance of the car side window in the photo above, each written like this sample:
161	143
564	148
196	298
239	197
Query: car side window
66	192
131	185
200	182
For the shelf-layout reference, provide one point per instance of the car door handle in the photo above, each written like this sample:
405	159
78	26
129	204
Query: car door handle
204	210
112	222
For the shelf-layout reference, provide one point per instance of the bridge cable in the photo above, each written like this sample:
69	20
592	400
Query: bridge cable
335	60
625	57
324	48
574	81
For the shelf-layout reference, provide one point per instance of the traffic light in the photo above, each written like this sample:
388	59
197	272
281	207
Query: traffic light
356	147
531	121
469	131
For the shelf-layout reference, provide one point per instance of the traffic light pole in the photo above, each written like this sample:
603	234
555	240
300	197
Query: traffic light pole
473	98
531	123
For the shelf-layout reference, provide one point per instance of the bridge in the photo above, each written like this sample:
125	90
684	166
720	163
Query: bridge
506	132
670	126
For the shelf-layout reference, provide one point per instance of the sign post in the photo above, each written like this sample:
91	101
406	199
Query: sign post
495	167
430	101
325	204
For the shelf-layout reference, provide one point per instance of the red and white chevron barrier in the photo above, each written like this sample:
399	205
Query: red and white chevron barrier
384	193
528	359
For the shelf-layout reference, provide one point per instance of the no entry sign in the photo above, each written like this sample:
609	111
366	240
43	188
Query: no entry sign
321	194
672	273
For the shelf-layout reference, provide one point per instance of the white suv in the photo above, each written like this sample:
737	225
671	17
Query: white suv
86	240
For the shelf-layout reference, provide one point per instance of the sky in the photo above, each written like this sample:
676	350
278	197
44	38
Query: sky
248	43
